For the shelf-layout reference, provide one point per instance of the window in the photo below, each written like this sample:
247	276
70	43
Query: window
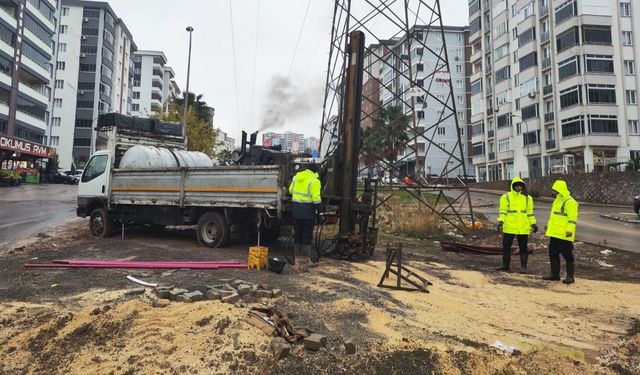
108	37
503	97
476	87
504	120
60	65
86	104
106	71
57	102
89	49
567	39
603	124
135	107
458	68
474	26
55	141
529	86
566	10
601	94
627	39
136	95
459	84
62	47
526	36
631	97
531	138
504	144
500	7
477	149
599	64
502	51
420	113
503	74
420	67
88	68
570	97
528	61
107	54
91	13
441	130
569	67
625	9
459	99
55	121
530	112
477	128
633	127
65	11
629	67
500	29
90	31
595	34
96	166
88	86
105	89
83	123
59	84
573	126
64	29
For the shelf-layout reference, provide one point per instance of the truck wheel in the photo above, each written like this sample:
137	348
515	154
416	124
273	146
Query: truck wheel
213	230
99	223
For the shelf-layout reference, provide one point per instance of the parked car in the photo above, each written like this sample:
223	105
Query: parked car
62	178
636	205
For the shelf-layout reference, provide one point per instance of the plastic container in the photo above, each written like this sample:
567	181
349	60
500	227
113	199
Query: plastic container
150	157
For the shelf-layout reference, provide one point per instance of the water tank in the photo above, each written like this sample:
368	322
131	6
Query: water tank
147	157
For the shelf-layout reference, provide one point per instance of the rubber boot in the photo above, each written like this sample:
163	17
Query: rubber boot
524	258
506	262
313	257
297	252
571	268
302	260
555	270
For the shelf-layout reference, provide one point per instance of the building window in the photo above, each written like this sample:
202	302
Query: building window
420	67
528	61
87	104
572	126
503	74
526	36
570	97
82	142
530	112
531	138
65	11
420	113
631	97
57	102
625	9
477	149
633	127
567	39
59	84
64	29
88	68
503	120
83	123
629	67
528	87
504	144
603	124
595	34
503	97
136	95
566	10
89	86
441	130
458	68
55	141
627	38
601	94
55	121
62	47
599	63
459	84
135	107
502	51
60	65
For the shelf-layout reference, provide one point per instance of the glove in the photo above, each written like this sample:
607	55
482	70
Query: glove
319	208
499	228
535	228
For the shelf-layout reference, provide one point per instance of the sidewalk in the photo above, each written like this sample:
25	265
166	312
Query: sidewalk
549	199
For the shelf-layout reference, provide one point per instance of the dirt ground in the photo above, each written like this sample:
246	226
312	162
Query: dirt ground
78	321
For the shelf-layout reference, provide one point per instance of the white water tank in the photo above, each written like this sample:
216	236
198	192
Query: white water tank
147	157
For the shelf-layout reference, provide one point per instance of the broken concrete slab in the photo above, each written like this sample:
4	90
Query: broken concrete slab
195	295
213	294
232	298
161	303
280	348
162	292
349	347
244	289
315	341
264	294
134	292
175	292
183	298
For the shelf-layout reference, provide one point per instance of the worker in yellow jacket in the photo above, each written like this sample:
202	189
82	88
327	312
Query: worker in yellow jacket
305	195
516	219
561	231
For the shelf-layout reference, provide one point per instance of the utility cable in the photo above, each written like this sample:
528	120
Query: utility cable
255	60
235	73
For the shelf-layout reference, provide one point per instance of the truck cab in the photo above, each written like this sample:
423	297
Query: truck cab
93	189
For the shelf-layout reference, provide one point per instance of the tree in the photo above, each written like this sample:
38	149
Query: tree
224	157
198	105
201	135
386	136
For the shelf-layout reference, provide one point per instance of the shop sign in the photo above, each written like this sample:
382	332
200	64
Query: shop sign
25	147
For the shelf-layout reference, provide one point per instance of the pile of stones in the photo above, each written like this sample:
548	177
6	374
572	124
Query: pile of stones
229	291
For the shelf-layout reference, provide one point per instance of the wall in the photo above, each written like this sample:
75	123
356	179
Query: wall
607	188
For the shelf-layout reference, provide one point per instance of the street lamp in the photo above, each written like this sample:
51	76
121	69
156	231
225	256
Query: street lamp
186	95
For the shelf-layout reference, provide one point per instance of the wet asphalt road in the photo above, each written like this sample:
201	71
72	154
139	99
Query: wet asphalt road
29	209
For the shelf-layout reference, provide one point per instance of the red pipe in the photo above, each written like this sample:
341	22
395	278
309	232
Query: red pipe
148	265
77	261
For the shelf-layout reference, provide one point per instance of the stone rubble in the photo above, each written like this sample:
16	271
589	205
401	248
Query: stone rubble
235	292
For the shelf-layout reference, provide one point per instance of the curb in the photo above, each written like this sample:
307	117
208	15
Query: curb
618	218
545	199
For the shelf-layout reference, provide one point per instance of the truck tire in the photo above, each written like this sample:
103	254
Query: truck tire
99	223
213	230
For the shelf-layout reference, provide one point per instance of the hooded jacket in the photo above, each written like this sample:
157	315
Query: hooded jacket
564	213
516	211
305	194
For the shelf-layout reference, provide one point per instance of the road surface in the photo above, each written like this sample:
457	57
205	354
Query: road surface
591	227
28	209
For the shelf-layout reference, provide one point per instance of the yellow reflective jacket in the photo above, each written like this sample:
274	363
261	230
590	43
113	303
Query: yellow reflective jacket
516	211
305	187
564	213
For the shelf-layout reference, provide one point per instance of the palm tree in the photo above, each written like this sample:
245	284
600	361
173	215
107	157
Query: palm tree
387	136
199	106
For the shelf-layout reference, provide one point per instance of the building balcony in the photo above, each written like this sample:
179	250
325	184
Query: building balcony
491	134
544	10
5	78
504	155
550	144
479	159
546	62
547	90
30	119
548	117
37	41
487	69
35	92
574	141
544	37
6	46
604	139
156	102
26	61
157	91
476	55
534	149
8	18
43	20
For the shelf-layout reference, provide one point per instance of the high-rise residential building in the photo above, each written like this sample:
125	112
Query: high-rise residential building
26	51
554	86
312	143
290	141
170	89
93	74
373	64
434	152
149	82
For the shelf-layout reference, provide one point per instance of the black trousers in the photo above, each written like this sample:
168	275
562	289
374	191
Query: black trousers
564	247
303	231
507	240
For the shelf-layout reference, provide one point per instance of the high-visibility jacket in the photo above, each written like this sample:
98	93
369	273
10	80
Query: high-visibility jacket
564	213
305	194
516	211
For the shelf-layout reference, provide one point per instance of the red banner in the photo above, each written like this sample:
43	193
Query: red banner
25	147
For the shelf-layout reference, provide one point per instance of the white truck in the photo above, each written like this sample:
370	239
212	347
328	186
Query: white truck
146	177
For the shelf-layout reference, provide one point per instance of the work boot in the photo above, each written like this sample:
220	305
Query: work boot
506	263
571	268
297	252
524	258
302	259
555	270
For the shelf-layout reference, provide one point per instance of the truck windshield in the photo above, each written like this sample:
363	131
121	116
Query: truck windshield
95	168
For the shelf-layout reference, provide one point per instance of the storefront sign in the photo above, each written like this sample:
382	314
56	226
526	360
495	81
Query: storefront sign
25	147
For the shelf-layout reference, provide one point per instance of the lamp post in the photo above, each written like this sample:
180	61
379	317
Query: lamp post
186	95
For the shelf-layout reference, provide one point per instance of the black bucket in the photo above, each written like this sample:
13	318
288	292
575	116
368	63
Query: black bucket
276	265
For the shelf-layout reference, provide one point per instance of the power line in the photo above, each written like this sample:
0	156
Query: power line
295	50
235	73
255	60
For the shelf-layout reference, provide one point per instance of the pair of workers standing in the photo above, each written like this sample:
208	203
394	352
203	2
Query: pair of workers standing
516	220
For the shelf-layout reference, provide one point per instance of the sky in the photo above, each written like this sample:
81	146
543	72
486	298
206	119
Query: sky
260	63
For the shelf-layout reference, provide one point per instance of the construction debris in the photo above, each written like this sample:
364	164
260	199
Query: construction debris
315	341
274	323
280	348
394	266
229	293
143	283
349	347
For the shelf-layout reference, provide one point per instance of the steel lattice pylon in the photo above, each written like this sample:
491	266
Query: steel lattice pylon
393	30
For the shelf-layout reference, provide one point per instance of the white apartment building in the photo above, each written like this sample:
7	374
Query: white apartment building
429	110
26	51
152	82
554	86
93	74
170	89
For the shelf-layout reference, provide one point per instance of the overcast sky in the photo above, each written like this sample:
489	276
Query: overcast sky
264	35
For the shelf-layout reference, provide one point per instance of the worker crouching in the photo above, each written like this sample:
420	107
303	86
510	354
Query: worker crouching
305	194
561	231
516	219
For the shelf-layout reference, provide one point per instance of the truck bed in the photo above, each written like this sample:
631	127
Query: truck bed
236	186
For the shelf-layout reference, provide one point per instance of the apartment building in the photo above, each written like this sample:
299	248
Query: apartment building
430	110
93	74
554	86
150	84
290	141
26	50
